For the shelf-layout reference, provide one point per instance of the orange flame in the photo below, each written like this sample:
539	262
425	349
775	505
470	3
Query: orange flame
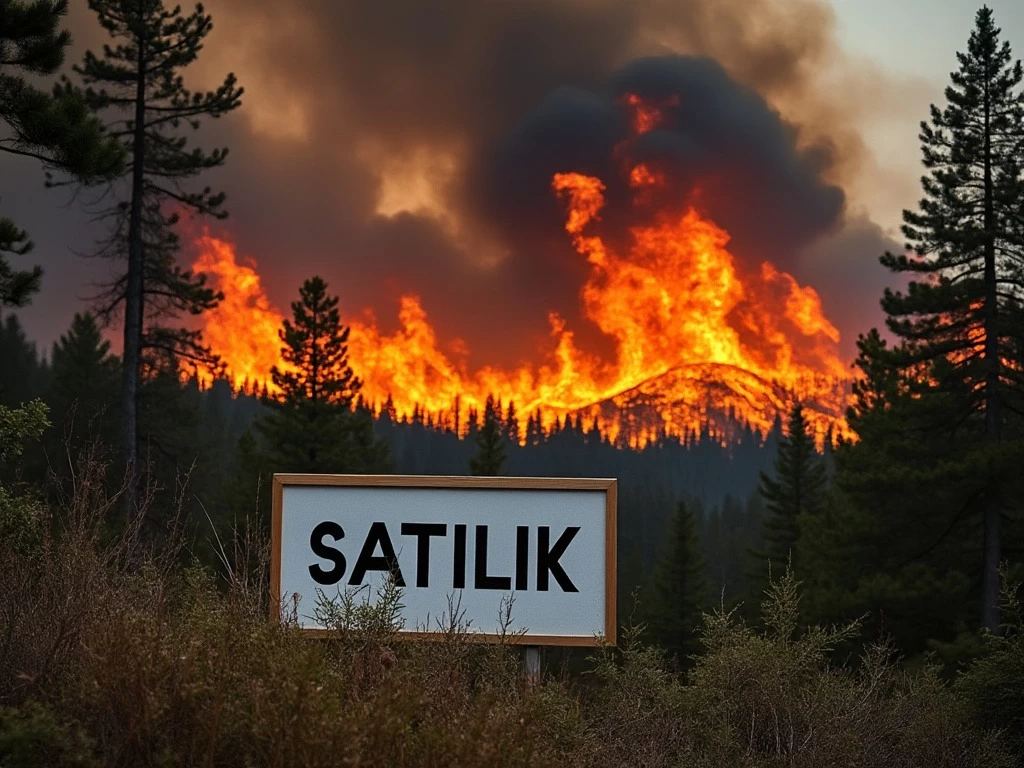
697	338
243	328
691	334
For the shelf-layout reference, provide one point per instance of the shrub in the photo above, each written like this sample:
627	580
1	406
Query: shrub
158	664
993	685
775	699
31	737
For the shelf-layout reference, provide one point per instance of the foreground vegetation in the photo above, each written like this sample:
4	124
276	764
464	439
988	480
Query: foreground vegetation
112	656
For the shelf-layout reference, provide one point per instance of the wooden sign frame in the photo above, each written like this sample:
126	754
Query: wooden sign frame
608	485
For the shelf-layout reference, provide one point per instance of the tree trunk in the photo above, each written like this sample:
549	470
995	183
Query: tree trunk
133	304
993	410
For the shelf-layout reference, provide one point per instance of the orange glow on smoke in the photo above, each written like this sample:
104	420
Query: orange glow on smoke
646	115
696	336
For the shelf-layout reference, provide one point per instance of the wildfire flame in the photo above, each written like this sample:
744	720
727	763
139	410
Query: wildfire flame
696	337
243	328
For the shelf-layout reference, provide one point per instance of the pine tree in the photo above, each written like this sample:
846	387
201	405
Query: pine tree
244	494
512	423
901	538
22	375
312	426
84	380
472	423
955	323
798	489
535	429
679	590
490	456
56	129
180	456
137	85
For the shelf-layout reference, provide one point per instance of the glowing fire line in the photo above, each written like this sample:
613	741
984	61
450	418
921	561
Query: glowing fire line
694	335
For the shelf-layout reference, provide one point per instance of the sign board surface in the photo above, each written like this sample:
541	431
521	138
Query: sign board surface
547	542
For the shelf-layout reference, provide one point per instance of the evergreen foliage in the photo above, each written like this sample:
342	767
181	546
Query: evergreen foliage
367	453
797	491
19	425
56	129
314	425
22	377
534	429
512	423
952	381
137	85
898	542
83	382
32	737
732	532
679	590
993	685
315	351
490	441
19	512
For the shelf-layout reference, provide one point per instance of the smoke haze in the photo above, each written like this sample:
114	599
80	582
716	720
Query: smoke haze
404	146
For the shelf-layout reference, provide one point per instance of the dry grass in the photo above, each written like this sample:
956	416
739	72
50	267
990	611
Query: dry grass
143	662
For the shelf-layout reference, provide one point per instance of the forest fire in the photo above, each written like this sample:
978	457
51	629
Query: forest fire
698	338
243	328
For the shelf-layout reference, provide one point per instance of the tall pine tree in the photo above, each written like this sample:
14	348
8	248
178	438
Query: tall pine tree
901	535
512	423
83	382
56	129
137	85
313	426
679	591
22	375
798	489
958	324
535	429
490	441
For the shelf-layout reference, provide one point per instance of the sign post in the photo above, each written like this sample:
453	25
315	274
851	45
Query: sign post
531	665
549	543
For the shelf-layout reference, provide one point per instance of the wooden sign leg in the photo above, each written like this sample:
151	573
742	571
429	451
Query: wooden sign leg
531	665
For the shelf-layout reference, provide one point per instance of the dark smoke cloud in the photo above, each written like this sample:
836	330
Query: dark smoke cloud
844	269
718	139
341	94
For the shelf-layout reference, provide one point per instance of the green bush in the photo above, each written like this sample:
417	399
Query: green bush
993	685
31	737
774	699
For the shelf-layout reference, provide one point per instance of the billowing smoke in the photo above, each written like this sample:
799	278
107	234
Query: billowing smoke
404	146
719	146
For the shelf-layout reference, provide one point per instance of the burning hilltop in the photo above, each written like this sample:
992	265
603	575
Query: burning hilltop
700	337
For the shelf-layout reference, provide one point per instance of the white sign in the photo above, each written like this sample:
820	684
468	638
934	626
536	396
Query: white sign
549	543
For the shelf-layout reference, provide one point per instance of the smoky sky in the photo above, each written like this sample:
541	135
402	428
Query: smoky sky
486	99
719	145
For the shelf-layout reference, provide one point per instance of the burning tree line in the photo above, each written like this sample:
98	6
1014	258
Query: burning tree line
467	423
